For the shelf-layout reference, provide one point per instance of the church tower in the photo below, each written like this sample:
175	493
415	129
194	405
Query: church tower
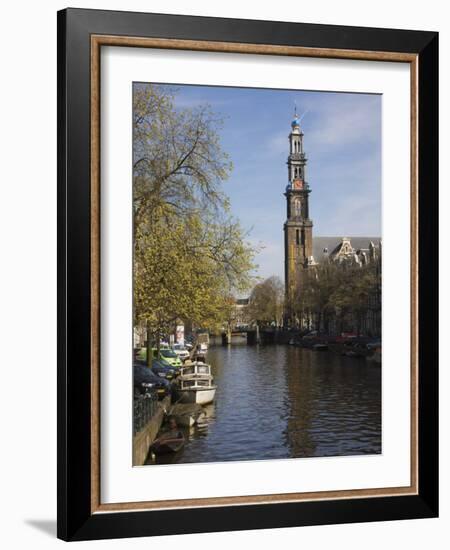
298	254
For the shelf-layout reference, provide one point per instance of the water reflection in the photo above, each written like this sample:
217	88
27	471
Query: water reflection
282	401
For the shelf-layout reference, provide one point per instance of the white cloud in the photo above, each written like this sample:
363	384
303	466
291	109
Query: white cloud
332	122
341	120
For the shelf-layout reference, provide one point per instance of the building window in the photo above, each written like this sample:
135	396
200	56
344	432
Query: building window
303	237
297	236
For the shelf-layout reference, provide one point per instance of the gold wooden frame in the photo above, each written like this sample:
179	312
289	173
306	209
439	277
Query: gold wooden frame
97	41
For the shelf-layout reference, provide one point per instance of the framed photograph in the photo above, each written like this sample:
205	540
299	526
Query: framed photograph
247	253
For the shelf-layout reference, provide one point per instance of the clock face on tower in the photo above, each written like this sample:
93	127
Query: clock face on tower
297	184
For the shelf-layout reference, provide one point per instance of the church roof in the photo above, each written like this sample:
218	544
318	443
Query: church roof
333	244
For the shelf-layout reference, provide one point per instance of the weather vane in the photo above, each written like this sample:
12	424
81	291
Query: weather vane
296	115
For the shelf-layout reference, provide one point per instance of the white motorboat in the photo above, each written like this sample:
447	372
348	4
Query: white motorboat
196	384
196	369
195	389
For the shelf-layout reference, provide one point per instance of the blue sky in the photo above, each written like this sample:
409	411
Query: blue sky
342	142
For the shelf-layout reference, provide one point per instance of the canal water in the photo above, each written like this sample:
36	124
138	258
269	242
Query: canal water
280	401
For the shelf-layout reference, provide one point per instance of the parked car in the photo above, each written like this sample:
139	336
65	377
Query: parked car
163	370
145	379
160	368
168	356
181	351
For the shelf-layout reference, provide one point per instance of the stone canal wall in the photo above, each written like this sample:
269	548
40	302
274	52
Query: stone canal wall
143	439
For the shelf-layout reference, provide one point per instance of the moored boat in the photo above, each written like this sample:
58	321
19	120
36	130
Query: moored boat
196	369
196	389
187	414
196	384
320	347
168	443
199	354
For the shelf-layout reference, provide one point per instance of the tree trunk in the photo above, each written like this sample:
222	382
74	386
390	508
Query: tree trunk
326	323
158	343
149	346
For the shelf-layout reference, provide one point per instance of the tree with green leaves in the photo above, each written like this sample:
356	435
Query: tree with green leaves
190	254
313	299
185	271
178	162
267	302
351	297
339	291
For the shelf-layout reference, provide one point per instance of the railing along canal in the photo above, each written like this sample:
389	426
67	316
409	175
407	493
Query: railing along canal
145	407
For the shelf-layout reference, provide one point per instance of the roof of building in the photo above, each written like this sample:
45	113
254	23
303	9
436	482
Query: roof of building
332	244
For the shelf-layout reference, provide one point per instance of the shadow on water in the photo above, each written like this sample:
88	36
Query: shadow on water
286	402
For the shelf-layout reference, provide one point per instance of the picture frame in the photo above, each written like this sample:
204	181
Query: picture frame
81	35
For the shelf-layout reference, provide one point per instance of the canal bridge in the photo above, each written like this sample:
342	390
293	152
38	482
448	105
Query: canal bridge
252	335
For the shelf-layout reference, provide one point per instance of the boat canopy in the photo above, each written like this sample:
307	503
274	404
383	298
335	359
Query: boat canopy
198	369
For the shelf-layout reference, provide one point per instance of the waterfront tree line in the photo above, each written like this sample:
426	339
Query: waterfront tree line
190	254
333	297
341	296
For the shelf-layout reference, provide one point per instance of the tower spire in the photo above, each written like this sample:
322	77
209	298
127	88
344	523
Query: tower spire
298	225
